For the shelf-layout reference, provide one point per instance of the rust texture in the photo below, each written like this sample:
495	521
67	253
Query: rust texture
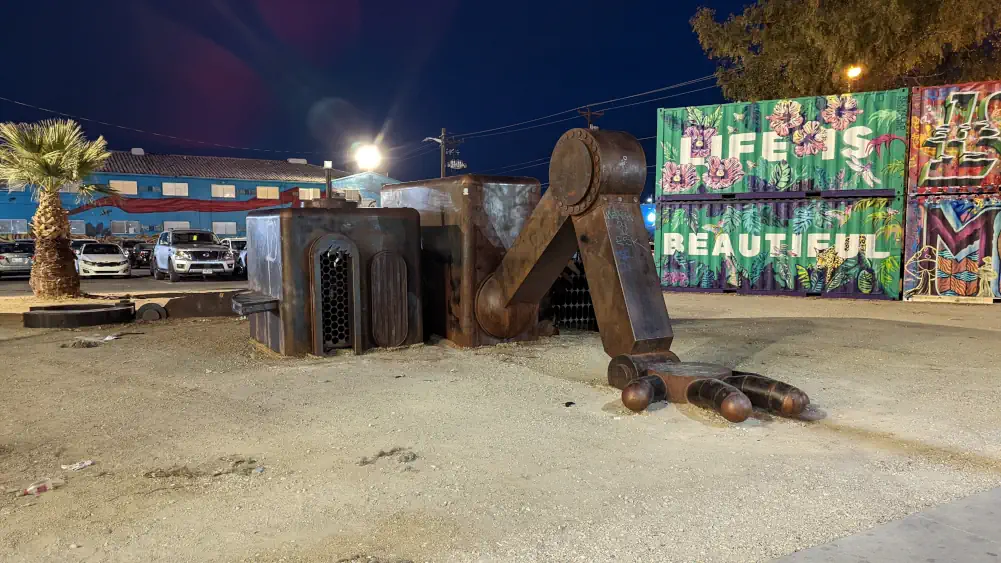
468	223
389	299
592	207
313	274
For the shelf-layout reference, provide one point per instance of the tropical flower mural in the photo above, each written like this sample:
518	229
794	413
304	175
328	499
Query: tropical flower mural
841	111
810	139
824	143
815	246
701	139
785	118
677	178
722	174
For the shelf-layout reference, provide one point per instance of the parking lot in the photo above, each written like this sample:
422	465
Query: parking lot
140	282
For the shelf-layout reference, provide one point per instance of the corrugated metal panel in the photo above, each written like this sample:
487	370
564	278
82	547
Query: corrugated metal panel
952	248
955	138
831	247
834	143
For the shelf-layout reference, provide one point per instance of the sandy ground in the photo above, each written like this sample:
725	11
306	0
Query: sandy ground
489	463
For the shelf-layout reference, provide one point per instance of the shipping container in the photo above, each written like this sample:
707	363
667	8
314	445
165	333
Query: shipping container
952	248
848	142
836	247
955	142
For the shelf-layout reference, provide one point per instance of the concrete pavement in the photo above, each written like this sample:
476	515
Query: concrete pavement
140	283
967	531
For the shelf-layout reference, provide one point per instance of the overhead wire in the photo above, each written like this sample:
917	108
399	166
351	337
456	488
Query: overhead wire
613	100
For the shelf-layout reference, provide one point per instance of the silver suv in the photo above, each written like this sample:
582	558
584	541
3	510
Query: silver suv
186	252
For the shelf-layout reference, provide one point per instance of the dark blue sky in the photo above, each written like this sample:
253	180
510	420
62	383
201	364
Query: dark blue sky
310	77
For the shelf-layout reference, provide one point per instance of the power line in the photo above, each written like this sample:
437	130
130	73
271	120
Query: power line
471	136
533	161
145	132
613	100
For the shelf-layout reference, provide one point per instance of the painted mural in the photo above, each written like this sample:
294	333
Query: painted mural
955	138
833	247
952	247
829	143
954	211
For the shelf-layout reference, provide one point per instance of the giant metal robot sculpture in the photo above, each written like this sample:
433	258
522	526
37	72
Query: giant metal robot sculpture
596	178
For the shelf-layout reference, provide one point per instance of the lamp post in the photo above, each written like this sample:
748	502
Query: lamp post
328	166
853	73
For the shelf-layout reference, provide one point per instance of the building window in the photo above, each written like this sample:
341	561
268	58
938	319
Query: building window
224	228
268	192
223	191
124	187
78	227
125	227
175	189
309	193
171	225
10	188
73	188
13	226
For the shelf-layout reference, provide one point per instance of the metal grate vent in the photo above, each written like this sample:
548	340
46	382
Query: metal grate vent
335	289
570	301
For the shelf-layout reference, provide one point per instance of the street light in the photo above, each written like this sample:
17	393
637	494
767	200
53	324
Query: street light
368	157
853	72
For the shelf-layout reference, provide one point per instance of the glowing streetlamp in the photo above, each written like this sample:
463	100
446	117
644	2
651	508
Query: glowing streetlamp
853	73
368	157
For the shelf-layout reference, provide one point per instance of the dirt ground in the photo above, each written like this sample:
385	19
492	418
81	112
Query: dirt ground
210	449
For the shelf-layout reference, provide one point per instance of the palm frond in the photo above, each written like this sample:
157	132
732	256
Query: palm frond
48	154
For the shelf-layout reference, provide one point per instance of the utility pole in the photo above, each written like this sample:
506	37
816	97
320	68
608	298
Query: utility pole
590	116
444	141
446	149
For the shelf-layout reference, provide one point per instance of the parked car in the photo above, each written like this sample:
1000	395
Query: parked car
128	246
141	255
239	247
102	259
16	258
188	252
78	243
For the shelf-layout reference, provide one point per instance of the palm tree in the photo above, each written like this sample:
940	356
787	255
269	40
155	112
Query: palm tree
47	156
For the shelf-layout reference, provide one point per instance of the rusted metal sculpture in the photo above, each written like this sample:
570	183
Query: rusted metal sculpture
331	276
468	224
596	178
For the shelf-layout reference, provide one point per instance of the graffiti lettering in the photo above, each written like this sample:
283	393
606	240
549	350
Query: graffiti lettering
955	162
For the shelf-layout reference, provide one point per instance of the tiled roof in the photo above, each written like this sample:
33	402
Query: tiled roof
223	168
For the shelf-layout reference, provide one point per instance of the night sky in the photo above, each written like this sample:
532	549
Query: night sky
307	78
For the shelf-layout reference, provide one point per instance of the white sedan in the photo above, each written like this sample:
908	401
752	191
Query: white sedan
102	259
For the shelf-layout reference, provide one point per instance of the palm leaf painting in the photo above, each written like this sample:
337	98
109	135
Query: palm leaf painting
895	168
885	273
730	221
750	219
883	119
781	175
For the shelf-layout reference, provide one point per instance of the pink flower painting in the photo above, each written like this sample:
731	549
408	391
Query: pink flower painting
785	117
677	178
810	139
722	173
841	111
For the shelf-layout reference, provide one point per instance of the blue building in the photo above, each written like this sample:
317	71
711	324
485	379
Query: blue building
363	187
160	192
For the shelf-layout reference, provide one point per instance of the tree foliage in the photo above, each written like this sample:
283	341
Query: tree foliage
791	48
49	154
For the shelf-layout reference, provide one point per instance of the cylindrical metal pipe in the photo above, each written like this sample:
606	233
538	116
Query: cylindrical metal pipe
721	397
767	393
